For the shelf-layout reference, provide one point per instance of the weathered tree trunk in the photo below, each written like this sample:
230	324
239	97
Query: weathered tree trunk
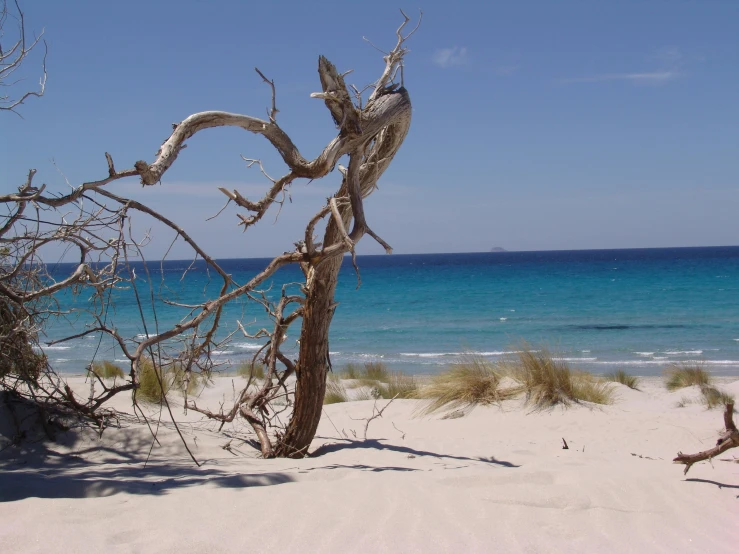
319	307
313	363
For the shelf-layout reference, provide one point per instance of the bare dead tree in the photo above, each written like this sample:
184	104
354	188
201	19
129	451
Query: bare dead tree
728	439
96	223
15	47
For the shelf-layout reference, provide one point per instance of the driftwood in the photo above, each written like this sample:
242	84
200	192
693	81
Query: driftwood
729	439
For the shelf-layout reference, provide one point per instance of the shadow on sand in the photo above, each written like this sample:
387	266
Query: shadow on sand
104	480
73	466
375	444
719	485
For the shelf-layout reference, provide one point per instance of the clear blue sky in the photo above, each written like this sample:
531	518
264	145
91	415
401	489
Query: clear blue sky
537	124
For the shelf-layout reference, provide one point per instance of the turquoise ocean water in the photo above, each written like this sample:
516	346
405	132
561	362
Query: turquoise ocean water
602	310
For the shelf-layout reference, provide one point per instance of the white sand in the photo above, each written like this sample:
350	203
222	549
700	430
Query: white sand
496	480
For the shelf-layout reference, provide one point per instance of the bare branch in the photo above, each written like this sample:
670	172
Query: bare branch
11	60
729	439
273	112
375	415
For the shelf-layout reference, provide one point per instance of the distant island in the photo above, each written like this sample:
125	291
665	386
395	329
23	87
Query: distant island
498	249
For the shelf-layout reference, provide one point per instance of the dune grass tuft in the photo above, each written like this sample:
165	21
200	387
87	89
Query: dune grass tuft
715	398
371	374
548	381
364	394
376	371
589	388
620	376
335	391
399	385
153	383
247	369
466	384
351	371
684	401
680	375
107	370
179	381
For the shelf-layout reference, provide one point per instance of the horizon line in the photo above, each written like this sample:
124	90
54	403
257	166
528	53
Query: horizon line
190	260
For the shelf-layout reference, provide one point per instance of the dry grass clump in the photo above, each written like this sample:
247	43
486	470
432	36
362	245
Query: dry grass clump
370	374
364	394
684	401
335	391
351	371
376	381
620	376
548	381
250	370
711	398
715	398
107	370
153	383
685	374
466	384
681	375
193	384
376	371
589	388
399	385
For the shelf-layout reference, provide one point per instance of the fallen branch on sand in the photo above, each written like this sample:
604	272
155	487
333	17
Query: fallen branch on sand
729	439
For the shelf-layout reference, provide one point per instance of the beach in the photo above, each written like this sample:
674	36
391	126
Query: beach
497	479
205	346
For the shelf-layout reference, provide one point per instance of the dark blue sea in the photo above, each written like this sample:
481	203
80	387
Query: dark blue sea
601	310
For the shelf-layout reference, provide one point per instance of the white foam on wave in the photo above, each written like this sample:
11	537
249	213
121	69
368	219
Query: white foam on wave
246	345
504	319
459	354
428	354
221	352
657	361
334	353
645	354
371	356
576	359
57	347
142	336
683	352
121	361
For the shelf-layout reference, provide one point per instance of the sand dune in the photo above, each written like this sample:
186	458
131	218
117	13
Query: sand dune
495	480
